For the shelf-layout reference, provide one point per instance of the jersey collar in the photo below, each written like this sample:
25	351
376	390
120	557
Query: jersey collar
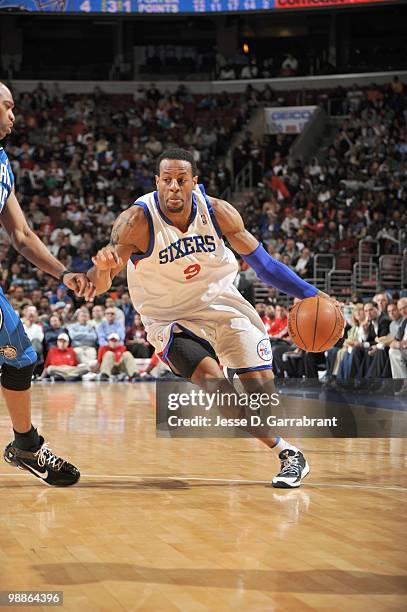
167	220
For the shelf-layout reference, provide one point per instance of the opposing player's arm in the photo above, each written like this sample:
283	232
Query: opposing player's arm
26	242
269	270
130	234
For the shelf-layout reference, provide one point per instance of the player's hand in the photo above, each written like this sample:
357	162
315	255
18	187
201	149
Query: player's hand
80	285
335	302
107	258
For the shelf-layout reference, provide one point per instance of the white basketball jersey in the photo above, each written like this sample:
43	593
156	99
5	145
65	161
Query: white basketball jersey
181	272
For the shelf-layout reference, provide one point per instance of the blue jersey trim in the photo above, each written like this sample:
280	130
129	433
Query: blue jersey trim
167	220
6	185
138	256
210	210
163	355
254	369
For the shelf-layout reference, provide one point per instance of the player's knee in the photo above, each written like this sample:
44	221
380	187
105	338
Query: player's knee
16	379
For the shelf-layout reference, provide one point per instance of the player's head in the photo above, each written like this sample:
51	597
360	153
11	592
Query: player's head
6	111
175	179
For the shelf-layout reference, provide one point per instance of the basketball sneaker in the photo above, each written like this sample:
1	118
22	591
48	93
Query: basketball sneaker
294	467
43	464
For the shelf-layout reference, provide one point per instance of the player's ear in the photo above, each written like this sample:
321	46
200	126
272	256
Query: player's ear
194	181
157	178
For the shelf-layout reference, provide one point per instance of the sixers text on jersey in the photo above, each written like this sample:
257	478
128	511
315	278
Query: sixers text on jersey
187	246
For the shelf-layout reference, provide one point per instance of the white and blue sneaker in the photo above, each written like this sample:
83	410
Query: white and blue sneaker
294	467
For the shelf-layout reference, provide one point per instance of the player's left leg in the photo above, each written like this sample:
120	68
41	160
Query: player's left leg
28	450
190	359
293	465
243	345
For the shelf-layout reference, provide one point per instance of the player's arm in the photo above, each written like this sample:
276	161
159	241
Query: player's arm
269	270
130	234
26	242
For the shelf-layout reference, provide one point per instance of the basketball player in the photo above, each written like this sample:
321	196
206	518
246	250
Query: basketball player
17	357
180	277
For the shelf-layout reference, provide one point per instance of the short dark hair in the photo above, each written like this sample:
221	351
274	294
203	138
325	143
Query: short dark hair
178	154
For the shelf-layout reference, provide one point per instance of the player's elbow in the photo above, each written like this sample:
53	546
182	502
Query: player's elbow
21	237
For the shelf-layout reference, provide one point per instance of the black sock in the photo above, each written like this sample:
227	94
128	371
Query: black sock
28	440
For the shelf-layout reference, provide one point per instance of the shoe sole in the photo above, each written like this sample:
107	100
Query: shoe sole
286	485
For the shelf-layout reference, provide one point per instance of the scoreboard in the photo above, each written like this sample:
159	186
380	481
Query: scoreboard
175	6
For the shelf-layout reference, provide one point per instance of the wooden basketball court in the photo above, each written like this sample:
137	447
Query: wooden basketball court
161	524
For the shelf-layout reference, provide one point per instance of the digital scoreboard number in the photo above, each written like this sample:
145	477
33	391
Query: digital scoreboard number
156	7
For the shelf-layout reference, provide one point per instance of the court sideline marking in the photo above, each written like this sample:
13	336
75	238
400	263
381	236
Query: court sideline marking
228	480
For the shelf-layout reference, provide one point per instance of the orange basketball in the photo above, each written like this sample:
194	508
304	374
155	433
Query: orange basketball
315	324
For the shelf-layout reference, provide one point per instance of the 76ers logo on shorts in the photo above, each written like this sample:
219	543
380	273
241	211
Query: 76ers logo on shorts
264	350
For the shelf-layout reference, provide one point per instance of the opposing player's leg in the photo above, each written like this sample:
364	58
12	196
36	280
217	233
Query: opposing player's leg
28	451
195	360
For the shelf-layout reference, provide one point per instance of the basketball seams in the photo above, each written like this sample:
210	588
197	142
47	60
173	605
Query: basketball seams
296	325
333	330
316	325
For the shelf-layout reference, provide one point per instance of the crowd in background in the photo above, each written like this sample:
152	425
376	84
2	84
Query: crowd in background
356	190
80	160
373	347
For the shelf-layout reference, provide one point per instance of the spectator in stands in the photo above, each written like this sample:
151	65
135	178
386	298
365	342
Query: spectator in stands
261	311
33	329
18	299
380	366
108	326
304	264
52	332
290	251
62	309
127	307
343	360
398	348
114	358
136	339
375	324
44	310
227	72
272	297
382	301
81	262
61	362
60	296
285	357
289	66
290	224
250	71
110	303
84	338
98	315
278	329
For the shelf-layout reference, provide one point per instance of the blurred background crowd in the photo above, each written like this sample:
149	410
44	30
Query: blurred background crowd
81	159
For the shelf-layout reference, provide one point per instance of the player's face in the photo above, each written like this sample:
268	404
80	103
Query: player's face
6	111
174	185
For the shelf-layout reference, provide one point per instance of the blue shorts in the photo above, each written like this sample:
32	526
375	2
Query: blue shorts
15	347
